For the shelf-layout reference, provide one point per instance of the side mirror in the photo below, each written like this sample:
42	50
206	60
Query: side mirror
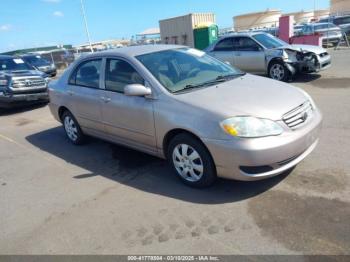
258	49
137	90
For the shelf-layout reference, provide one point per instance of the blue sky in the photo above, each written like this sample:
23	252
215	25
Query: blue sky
30	23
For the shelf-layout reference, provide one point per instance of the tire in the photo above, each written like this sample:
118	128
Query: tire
72	129
278	71
191	161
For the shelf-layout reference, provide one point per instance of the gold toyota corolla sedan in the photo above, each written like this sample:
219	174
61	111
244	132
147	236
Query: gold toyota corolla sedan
207	118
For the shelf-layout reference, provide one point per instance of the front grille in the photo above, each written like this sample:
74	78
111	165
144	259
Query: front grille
298	116
28	83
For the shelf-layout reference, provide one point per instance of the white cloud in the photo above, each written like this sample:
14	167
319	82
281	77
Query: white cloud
58	14
51	1
5	27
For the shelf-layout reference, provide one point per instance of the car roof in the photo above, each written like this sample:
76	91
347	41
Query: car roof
244	34
340	16
6	56
30	55
322	23
136	50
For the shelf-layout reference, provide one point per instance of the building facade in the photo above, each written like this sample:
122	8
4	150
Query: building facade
339	7
268	18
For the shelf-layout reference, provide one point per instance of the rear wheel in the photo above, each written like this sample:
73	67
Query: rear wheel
278	71
72	128
191	161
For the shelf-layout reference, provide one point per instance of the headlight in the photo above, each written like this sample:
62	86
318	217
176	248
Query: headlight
285	55
246	126
3	82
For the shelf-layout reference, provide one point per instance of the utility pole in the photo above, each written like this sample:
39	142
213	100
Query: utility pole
314	6
86	25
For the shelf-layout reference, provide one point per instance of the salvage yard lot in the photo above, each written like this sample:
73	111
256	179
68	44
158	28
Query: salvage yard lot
56	198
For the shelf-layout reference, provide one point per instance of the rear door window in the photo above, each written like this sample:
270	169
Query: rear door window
87	74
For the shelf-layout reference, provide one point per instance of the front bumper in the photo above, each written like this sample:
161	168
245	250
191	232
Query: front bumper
320	64
280	153
11	100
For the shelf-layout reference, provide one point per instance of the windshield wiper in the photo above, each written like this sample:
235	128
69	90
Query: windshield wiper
219	79
208	83
230	76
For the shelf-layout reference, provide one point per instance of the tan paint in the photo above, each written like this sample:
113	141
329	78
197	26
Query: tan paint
268	18
340	6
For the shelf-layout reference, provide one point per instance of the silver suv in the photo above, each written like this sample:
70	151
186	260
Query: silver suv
206	117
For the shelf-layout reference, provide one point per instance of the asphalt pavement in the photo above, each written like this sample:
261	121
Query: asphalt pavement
99	198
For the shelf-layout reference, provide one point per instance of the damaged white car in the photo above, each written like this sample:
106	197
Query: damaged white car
262	53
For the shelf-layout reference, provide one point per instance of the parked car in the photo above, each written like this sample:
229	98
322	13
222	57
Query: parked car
331	34
342	21
298	29
41	64
206	117
20	83
262	53
268	30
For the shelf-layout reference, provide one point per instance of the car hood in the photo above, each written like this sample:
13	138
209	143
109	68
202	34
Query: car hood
246	96
308	48
21	73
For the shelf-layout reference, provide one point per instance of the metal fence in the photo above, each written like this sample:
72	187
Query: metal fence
332	36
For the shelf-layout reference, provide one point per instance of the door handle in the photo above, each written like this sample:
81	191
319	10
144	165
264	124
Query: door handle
105	99
70	92
238	54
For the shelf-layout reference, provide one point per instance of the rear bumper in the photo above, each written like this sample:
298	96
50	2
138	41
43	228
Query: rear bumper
11	100
260	158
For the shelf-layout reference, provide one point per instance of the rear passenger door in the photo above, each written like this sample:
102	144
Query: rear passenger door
84	93
128	119
223	50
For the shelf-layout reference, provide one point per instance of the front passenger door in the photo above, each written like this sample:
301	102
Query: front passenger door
249	56
128	119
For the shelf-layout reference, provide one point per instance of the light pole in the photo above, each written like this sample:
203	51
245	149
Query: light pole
86	25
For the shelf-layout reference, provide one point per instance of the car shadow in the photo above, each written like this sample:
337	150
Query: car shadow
142	171
305	78
21	109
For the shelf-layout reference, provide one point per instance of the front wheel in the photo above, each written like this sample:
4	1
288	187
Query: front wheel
191	161
278	71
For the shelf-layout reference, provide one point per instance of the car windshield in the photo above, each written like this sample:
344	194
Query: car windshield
186	68
343	20
324	26
36	60
13	64
269	41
